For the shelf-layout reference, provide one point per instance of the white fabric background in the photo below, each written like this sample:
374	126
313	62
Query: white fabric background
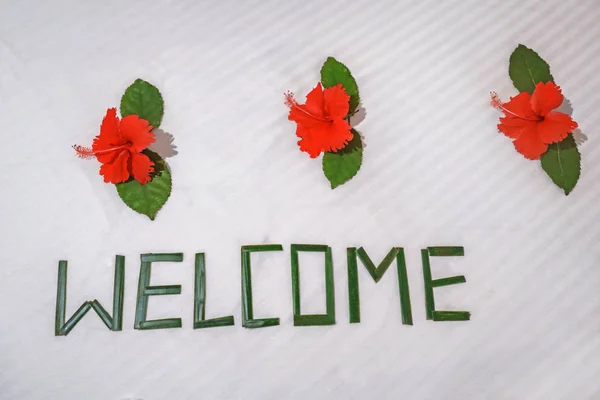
435	172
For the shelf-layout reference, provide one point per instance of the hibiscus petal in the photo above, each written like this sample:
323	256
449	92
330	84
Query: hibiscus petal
299	115
109	136
546	97
141	167
530	145
137	131
555	127
117	170
514	127
520	105
307	141
110	125
311	113
337	102
318	129
315	100
336	135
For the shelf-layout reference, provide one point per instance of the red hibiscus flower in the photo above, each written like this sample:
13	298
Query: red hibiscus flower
531	121
119	148
321	123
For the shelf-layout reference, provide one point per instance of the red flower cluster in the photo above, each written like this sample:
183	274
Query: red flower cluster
531	121
321	122
119	148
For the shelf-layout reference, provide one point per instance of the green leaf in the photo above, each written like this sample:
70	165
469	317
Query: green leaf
333	73
526	69
562	162
149	198
341	166
145	101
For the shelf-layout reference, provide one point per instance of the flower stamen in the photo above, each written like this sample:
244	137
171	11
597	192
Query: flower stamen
83	152
497	103
292	103
86	152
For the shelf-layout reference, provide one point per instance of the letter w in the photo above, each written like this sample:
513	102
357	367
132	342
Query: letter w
114	323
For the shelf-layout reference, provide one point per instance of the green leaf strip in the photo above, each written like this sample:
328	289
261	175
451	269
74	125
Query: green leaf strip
431	312
145	291
200	299
313	319
396	253
248	320
114	323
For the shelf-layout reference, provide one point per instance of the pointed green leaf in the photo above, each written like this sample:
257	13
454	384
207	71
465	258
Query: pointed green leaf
333	73
562	162
526	69
149	198
341	166
145	101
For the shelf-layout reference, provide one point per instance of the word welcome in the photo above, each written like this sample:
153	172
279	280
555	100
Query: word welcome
115	322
